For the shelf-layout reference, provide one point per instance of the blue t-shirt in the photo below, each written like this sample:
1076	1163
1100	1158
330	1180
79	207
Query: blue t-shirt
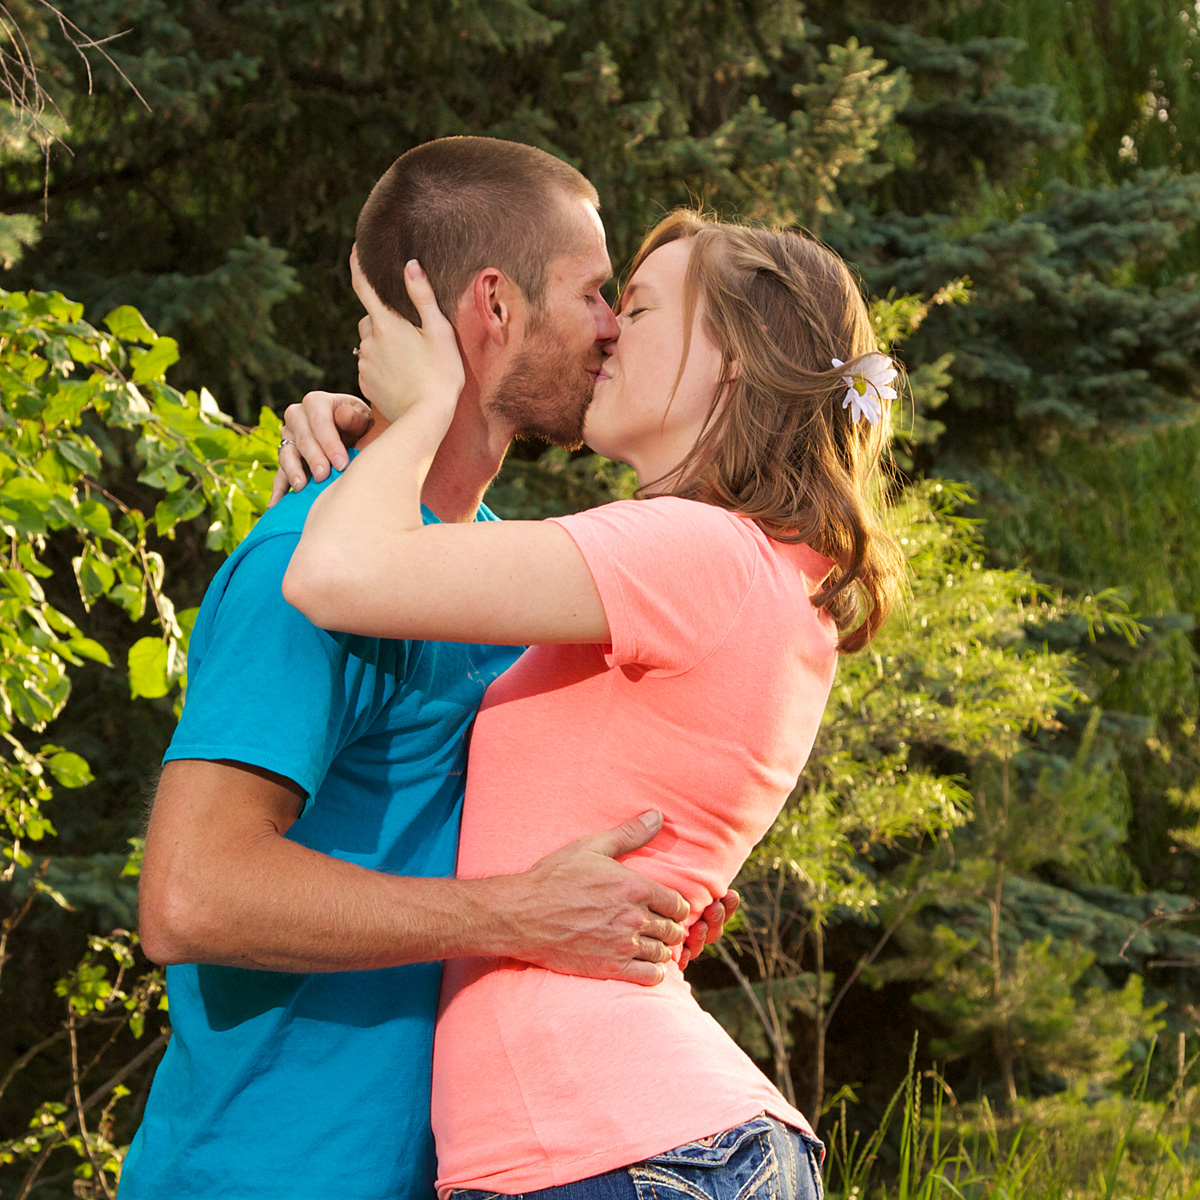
277	1084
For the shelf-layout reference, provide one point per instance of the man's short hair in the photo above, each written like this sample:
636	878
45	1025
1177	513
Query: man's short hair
460	204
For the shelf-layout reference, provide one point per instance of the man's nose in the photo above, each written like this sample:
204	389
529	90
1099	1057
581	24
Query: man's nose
607	329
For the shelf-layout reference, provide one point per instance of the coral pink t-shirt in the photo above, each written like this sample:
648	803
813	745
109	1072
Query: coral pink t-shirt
705	706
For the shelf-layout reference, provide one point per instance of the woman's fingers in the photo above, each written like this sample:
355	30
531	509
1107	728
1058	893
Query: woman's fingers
298	429
280	485
420	292
362	289
337	420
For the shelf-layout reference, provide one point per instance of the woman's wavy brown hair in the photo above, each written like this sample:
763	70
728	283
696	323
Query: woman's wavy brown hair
779	447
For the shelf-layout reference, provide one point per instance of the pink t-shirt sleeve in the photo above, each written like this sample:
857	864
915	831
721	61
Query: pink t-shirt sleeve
671	573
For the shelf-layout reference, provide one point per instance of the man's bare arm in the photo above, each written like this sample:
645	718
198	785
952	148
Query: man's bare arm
221	884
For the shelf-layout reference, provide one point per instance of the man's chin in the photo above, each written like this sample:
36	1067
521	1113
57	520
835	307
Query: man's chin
564	428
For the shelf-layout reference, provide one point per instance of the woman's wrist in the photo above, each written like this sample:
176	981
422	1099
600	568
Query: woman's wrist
436	405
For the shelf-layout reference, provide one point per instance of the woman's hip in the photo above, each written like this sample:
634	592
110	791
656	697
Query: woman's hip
760	1159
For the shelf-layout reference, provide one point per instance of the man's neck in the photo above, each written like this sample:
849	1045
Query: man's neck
468	459
461	471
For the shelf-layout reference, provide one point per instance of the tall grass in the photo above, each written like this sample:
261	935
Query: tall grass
1065	1147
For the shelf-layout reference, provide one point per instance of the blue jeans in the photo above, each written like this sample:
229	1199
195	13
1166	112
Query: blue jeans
761	1159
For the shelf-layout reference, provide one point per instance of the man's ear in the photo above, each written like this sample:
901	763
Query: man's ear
496	303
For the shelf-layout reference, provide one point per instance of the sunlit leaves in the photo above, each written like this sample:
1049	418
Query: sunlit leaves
61	382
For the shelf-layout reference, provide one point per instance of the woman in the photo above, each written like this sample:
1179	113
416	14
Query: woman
684	645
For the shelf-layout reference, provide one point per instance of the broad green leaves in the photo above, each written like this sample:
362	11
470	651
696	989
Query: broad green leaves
72	395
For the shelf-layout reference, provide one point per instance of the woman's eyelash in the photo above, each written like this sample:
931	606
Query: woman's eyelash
633	312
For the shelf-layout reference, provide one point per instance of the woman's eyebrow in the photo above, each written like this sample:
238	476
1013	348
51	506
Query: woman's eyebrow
633	287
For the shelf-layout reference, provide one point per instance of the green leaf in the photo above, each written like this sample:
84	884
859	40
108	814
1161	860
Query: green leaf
18	584
130	593
182	505
71	770
129	324
187	620
80	453
94	573
69	401
95	516
88	648
33	490
84	351
148	662
149	365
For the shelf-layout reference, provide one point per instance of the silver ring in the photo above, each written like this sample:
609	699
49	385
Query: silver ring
356	351
285	442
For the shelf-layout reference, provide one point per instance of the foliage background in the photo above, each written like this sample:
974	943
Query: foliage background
995	845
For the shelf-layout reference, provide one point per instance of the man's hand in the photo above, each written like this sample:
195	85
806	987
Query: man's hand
316	433
579	912
708	927
221	883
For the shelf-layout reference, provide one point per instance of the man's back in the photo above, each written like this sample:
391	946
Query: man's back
312	1084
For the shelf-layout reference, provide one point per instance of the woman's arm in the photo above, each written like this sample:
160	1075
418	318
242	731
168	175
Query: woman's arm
367	564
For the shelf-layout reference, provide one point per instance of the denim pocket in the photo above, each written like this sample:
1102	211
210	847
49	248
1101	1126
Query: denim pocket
813	1151
736	1164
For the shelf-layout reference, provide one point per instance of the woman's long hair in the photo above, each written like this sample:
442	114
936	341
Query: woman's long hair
779	447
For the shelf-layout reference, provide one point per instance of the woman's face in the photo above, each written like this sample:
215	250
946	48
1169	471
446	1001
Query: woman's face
633	417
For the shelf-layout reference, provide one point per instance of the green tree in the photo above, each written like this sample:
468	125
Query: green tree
89	433
943	157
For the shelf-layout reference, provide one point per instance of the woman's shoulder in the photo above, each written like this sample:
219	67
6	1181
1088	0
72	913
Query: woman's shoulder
674	511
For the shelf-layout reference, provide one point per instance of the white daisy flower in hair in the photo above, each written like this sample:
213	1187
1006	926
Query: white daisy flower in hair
868	385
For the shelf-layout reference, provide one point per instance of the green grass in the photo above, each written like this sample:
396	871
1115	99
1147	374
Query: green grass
1066	1147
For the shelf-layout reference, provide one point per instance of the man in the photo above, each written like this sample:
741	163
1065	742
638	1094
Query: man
306	823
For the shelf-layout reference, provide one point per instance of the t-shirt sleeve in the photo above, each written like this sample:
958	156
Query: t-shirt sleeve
268	688
672	575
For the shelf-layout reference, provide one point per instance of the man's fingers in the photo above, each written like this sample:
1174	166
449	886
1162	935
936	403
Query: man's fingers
669	933
697	936
650	949
646	973
719	912
626	837
667	902
713	920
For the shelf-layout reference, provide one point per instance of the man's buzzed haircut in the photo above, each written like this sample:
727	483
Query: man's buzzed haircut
460	204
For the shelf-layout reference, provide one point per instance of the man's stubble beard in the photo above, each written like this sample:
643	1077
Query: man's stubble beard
546	392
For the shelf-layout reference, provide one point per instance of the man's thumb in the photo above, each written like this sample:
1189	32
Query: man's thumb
629	835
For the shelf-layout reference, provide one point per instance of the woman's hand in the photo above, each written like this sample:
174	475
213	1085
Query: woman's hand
400	366
316	434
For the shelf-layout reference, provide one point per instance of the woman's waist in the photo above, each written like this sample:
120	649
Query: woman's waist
521	1033
531	1069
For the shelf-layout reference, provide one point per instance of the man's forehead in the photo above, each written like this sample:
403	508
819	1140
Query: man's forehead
587	261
